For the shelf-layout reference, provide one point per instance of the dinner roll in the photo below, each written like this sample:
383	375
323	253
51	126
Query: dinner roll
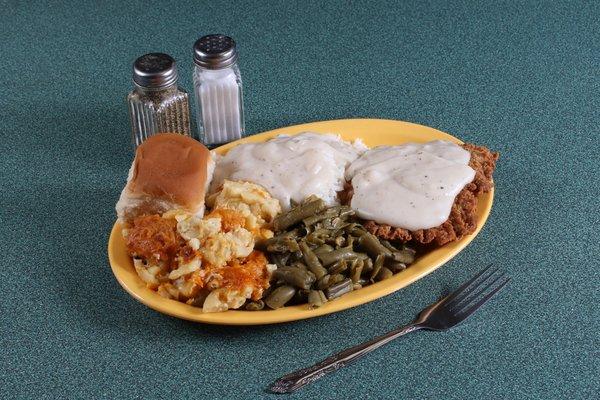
170	171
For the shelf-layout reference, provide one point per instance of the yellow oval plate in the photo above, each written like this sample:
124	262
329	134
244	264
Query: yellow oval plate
373	132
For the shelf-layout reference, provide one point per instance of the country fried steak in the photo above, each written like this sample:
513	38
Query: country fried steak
462	220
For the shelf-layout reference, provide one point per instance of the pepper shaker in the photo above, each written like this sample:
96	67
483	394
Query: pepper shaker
218	90
157	104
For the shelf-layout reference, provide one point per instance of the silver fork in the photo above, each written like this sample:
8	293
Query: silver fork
439	316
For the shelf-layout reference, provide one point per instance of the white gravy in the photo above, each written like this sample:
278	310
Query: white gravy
291	167
411	186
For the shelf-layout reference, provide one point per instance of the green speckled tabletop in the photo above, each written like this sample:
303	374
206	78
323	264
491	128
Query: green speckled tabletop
519	77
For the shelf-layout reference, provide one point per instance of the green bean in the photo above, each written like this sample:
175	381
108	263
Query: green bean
255	305
292	244
356	270
324	248
315	241
339	289
342	212
273	242
280	296
316	298
354	227
279	259
313	219
333	235
300	265
384	273
294	234
345	253
312	261
409	249
377	267
323	283
388	245
318	237
329	280
406	256
350	241
346	211
287	244
294	276
340	226
337	267
368	266
396	266
297	214
335	278
267	292
372	246
334	223
340	241
278	248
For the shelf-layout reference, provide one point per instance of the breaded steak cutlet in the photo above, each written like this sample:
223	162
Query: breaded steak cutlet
462	220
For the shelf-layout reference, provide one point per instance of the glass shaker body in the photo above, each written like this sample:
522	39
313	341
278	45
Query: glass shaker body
156	104
156	110
219	104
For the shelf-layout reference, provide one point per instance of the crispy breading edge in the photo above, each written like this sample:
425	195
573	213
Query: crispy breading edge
463	215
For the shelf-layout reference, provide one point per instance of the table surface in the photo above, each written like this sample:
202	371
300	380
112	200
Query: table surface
519	77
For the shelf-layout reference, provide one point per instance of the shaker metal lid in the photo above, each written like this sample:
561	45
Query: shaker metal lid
154	70
215	51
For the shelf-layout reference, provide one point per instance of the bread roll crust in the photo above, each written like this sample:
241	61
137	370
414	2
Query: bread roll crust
171	167
170	171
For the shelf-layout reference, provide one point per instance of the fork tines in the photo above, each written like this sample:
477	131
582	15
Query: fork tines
474	293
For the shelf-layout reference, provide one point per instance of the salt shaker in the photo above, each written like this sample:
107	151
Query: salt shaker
218	90
157	104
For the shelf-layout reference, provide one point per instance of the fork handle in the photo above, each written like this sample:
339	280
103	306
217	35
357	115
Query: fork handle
300	378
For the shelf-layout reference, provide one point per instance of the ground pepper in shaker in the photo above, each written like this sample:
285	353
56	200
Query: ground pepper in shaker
218	90
157	104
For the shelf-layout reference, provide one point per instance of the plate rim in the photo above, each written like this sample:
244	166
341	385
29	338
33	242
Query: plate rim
300	312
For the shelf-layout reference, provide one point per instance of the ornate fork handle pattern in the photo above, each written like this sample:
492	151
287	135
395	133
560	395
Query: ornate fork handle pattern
439	316
296	380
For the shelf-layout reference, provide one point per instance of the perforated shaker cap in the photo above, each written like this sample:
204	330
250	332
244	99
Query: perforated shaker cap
154	70
215	51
